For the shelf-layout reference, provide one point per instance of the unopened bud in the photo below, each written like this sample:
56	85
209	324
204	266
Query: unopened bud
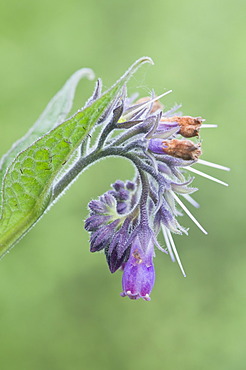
189	126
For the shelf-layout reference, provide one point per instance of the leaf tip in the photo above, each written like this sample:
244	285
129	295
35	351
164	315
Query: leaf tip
146	60
86	72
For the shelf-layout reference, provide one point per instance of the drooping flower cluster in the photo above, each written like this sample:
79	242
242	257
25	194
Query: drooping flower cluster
126	220
115	226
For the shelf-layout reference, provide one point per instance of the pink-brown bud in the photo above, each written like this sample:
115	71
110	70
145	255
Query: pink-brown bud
189	126
184	149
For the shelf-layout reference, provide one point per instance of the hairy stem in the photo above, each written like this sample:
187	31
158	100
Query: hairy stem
144	197
81	164
138	129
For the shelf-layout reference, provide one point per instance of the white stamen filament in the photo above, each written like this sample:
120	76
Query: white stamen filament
167	243
214	165
206	175
188	212
146	104
207	125
175	251
191	200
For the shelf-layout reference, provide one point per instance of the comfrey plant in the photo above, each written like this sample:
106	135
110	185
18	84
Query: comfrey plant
125	221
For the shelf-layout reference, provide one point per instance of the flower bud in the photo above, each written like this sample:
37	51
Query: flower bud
97	207
184	149
130	185
118	251
189	126
165	217
118	185
94	222
101	238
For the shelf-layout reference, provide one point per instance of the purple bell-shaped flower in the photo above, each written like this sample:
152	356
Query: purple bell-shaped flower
139	273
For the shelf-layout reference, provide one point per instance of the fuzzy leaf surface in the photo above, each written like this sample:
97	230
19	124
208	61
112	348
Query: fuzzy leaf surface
54	114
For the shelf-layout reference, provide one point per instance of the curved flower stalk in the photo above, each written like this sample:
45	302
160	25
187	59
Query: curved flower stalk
125	221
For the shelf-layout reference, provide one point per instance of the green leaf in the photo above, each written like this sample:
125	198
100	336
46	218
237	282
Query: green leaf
29	180
55	113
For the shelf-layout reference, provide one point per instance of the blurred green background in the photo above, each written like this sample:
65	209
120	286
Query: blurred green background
60	307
